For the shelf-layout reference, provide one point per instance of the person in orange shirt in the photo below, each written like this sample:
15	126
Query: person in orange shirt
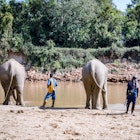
51	85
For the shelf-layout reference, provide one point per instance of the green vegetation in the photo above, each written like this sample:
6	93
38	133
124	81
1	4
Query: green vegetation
67	58
61	34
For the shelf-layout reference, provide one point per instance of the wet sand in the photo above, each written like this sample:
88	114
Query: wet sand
32	123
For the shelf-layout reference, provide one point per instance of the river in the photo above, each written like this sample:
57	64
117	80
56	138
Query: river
69	94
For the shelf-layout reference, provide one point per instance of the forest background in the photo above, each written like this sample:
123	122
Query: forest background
65	34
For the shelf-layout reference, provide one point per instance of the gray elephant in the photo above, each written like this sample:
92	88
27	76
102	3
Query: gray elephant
94	77
12	78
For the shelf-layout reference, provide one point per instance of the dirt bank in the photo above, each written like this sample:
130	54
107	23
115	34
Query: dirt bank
119	71
32	123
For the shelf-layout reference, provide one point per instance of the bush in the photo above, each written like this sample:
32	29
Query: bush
53	58
132	54
67	58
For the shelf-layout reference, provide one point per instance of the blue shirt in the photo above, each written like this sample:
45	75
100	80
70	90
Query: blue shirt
54	82
132	87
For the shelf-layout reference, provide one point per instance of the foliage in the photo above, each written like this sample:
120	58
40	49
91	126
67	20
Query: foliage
57	34
72	24
131	29
67	58
132	54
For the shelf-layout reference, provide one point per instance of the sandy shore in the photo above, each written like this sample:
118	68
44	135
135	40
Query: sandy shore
32	123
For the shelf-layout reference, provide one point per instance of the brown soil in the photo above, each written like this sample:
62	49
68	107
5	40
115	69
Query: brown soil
121	71
32	123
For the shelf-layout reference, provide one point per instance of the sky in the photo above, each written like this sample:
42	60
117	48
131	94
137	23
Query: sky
121	4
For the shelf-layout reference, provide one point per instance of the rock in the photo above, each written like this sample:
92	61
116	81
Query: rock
117	72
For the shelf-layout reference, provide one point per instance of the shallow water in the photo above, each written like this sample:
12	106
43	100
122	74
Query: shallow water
69	94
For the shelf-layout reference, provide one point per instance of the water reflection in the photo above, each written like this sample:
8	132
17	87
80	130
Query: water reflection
69	94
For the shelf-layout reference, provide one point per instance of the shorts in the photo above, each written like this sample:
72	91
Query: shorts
48	95
131	99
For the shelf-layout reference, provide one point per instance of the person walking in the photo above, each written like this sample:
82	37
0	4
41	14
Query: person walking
51	85
132	93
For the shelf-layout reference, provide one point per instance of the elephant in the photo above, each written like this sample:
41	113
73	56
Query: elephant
94	77
12	78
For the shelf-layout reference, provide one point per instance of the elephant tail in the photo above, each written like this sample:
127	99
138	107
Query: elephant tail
97	82
8	87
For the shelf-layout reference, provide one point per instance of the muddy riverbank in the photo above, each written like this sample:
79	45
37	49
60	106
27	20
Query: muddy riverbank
120	71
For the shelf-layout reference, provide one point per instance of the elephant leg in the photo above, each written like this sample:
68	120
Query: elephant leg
20	100
96	98
88	94
93	98
93	101
7	98
15	96
5	87
6	102
104	95
87	102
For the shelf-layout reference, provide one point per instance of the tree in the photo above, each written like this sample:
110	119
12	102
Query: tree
6	22
71	22
106	27
131	29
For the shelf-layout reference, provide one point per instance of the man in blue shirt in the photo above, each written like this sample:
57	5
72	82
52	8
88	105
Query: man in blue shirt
51	85
132	93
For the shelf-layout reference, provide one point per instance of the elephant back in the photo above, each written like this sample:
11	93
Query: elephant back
94	71
12	68
16	68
